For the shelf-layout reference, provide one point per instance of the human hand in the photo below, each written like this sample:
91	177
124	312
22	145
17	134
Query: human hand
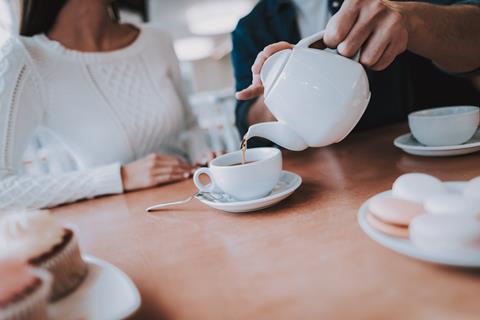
154	170
256	88
375	26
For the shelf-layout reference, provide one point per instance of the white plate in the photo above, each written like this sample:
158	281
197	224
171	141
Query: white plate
410	145
406	247
106	293
287	184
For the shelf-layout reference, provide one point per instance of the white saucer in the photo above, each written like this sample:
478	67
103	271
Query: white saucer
287	184
410	145
106	293
406	247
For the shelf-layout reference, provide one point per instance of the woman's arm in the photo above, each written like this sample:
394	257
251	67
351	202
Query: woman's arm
21	112
45	191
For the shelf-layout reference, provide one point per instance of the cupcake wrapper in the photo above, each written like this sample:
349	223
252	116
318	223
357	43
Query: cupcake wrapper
68	270
34	305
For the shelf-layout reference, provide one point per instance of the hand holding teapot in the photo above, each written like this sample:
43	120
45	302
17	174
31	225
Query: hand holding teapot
256	88
318	96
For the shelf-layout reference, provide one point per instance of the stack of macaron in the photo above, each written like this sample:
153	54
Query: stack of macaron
431	215
39	241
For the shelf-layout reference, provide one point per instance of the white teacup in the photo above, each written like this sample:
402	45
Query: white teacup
445	126
250	181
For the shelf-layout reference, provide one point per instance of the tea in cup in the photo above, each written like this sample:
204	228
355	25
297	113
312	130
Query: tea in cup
251	180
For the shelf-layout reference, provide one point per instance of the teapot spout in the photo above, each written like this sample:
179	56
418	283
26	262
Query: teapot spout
279	133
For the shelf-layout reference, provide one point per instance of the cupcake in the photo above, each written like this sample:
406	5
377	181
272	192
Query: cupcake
38	239
24	291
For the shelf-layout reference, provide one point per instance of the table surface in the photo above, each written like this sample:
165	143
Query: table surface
306	258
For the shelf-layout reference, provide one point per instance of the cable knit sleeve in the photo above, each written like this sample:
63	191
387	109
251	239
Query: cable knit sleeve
21	113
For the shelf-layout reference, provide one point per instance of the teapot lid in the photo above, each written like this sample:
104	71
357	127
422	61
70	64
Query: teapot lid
272	69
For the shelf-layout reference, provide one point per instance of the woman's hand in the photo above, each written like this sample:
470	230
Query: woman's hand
256	88
154	170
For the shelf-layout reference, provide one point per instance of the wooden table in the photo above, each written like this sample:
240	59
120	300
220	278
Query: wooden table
306	258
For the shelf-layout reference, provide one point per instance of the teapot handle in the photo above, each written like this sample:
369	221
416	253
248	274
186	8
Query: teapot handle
307	42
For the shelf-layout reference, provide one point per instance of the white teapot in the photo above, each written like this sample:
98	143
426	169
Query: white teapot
318	96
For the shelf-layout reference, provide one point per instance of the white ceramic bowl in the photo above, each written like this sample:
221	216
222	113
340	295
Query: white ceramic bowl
445	126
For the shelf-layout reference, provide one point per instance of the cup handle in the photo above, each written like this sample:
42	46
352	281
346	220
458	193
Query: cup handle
307	42
211	187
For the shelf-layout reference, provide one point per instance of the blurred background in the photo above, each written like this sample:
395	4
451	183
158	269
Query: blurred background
201	32
200	29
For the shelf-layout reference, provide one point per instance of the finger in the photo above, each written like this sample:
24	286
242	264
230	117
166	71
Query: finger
267	53
259	61
276	47
170	160
374	48
170	157
361	31
256	89
170	167
158	157
250	93
186	168
397	43
341	23
257	80
169	178
170	170
387	58
175	176
372	16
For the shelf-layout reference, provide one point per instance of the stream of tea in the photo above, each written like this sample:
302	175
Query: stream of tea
244	149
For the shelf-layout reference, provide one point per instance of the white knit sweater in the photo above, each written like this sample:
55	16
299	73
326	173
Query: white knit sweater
108	109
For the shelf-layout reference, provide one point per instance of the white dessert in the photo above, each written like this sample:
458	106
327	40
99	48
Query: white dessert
472	189
417	187
452	204
26	235
446	233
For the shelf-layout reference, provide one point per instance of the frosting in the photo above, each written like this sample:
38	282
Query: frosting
27	235
16	277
